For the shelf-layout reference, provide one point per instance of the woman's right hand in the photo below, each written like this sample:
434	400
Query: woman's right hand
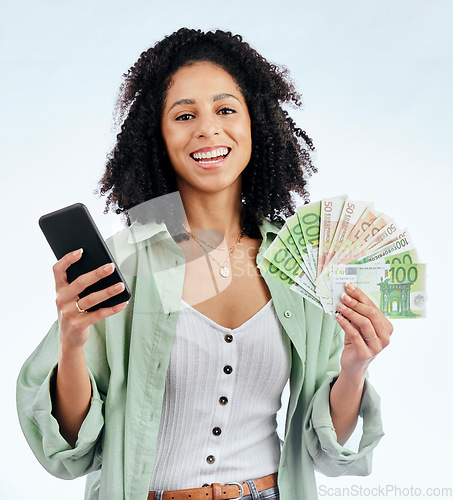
73	324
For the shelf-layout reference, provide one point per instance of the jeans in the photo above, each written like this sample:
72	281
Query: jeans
269	494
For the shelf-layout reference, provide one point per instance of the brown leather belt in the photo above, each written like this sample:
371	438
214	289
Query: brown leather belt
217	491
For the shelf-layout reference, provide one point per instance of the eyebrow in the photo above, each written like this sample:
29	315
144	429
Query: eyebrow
217	97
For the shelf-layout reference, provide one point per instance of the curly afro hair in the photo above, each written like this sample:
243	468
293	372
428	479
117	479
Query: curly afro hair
137	169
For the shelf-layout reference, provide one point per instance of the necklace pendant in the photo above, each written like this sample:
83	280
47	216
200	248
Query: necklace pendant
224	272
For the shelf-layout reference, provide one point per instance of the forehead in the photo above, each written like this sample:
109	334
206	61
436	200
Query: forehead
201	78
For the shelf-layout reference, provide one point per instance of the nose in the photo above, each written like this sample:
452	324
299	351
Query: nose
207	126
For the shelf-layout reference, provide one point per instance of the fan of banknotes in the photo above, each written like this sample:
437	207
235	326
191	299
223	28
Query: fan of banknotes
336	241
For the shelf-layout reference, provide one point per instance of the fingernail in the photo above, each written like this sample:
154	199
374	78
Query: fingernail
119	286
78	252
342	307
350	286
346	298
109	267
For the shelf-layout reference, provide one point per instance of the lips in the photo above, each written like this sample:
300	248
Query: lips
210	156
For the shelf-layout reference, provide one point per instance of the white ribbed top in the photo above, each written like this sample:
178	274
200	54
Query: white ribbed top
248	446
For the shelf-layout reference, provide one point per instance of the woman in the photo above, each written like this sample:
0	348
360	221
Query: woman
176	393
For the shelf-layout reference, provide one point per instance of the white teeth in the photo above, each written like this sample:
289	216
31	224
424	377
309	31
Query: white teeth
209	162
211	154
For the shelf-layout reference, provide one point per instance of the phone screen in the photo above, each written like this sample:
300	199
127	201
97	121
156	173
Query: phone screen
71	228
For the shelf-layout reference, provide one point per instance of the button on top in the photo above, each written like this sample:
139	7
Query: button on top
223	400
287	314
228	338
217	431
210	459
227	369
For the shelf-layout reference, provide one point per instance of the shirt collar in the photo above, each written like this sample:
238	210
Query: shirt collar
141	232
269	231
268	227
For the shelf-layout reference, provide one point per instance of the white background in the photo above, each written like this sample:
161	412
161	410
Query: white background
376	79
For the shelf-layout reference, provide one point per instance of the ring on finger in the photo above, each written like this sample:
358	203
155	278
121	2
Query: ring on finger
79	308
368	340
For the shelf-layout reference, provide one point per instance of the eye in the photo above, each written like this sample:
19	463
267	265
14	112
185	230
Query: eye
227	111
184	117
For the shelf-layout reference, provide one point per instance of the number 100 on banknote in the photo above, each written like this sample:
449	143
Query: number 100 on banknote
336	241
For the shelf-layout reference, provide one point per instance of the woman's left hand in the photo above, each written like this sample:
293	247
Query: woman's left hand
367	330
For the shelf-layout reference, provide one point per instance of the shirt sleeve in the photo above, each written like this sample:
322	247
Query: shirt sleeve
328	455
41	429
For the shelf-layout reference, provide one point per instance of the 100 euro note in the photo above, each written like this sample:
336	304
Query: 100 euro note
402	248
397	289
309	217
266	267
403	295
282	259
374	237
364	247
291	237
406	275
364	276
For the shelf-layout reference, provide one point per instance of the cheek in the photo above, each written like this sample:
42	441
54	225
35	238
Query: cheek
247	138
172	141
247	127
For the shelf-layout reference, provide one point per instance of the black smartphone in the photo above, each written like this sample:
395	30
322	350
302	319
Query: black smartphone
71	228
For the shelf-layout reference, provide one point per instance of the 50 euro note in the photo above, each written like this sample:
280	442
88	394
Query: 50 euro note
331	209
383	236
403	248
352	211
374	233
364	222
363	241
350	215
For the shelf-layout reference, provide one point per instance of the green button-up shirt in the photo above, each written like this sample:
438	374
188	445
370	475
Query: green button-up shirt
128	356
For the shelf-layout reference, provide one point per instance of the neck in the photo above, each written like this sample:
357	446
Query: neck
220	211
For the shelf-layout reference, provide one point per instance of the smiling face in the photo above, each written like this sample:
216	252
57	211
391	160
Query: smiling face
206	129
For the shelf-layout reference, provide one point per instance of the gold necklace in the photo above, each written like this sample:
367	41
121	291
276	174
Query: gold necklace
223	271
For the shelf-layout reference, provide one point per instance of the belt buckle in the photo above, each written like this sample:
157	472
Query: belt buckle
241	490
